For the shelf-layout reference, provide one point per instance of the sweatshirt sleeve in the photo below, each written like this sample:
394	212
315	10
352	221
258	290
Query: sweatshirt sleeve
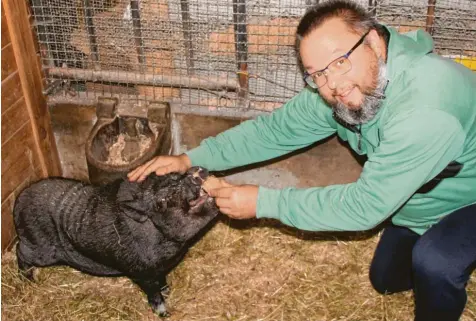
302	121
415	147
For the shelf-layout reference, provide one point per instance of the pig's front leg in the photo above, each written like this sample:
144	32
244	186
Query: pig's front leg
153	290
164	287
25	269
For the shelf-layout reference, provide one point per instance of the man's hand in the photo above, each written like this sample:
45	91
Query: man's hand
237	202
161	165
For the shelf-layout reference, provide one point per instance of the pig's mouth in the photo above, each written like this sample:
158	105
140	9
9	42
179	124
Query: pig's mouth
196	204
199	176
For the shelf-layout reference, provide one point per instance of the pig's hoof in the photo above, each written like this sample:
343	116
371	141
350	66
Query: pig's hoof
165	290
162	311
30	274
164	314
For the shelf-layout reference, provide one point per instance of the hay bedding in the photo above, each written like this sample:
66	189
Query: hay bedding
254	270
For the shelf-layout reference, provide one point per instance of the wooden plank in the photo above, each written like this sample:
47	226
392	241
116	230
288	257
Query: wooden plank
5	32
22	174
16	14
35	175
16	148
9	65
11	91
8	229
13	119
20	170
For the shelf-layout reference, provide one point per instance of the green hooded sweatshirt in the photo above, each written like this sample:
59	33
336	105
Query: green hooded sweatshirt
427	120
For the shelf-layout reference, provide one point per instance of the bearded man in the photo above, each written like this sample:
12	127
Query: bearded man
412	112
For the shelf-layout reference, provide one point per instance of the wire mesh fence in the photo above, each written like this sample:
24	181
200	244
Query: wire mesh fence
222	53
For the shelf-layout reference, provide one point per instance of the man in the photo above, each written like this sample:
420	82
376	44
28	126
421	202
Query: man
412	112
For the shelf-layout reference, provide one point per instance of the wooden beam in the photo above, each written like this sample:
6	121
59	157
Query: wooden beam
430	16
241	47
16	14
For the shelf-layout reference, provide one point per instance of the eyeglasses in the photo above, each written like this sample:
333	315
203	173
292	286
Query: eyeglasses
338	66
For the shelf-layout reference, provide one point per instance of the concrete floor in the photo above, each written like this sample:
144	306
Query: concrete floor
324	163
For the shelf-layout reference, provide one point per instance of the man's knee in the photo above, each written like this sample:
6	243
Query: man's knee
432	265
378	279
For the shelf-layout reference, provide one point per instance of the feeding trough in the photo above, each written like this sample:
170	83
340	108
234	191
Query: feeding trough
119	143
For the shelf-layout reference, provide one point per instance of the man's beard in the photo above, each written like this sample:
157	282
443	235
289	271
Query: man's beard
372	101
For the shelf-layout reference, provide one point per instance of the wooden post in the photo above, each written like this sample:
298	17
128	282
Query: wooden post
373	7
430	16
241	46
187	35
136	24
29	71
88	19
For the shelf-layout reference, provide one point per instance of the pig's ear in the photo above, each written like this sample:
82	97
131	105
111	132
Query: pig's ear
134	210
172	223
130	202
128	191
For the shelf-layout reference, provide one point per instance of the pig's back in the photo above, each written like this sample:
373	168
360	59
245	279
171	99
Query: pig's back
51	196
41	208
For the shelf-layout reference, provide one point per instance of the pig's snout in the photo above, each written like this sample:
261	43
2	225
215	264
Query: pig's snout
197	174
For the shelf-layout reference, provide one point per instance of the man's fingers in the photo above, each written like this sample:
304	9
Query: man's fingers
163	170
145	172
230	213
138	172
223	192
226	211
134	175
161	165
223	202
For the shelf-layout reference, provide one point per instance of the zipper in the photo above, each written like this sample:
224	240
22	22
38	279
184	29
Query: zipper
355	129
359	138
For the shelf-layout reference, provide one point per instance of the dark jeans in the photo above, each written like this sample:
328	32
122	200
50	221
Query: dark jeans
436	265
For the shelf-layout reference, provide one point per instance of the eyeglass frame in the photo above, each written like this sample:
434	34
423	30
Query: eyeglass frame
346	56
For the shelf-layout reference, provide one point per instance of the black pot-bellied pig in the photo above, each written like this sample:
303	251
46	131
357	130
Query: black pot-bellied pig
138	230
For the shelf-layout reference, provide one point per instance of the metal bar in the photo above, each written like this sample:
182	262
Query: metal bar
136	25
138	78
430	16
53	87
187	35
373	7
88	20
241	45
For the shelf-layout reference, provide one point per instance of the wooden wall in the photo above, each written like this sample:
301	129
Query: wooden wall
28	147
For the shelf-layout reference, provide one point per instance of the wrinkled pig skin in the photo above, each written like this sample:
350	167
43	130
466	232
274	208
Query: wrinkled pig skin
138	230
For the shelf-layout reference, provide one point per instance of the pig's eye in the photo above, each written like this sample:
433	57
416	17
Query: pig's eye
162	204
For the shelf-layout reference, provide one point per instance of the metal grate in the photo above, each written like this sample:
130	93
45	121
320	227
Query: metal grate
212	53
